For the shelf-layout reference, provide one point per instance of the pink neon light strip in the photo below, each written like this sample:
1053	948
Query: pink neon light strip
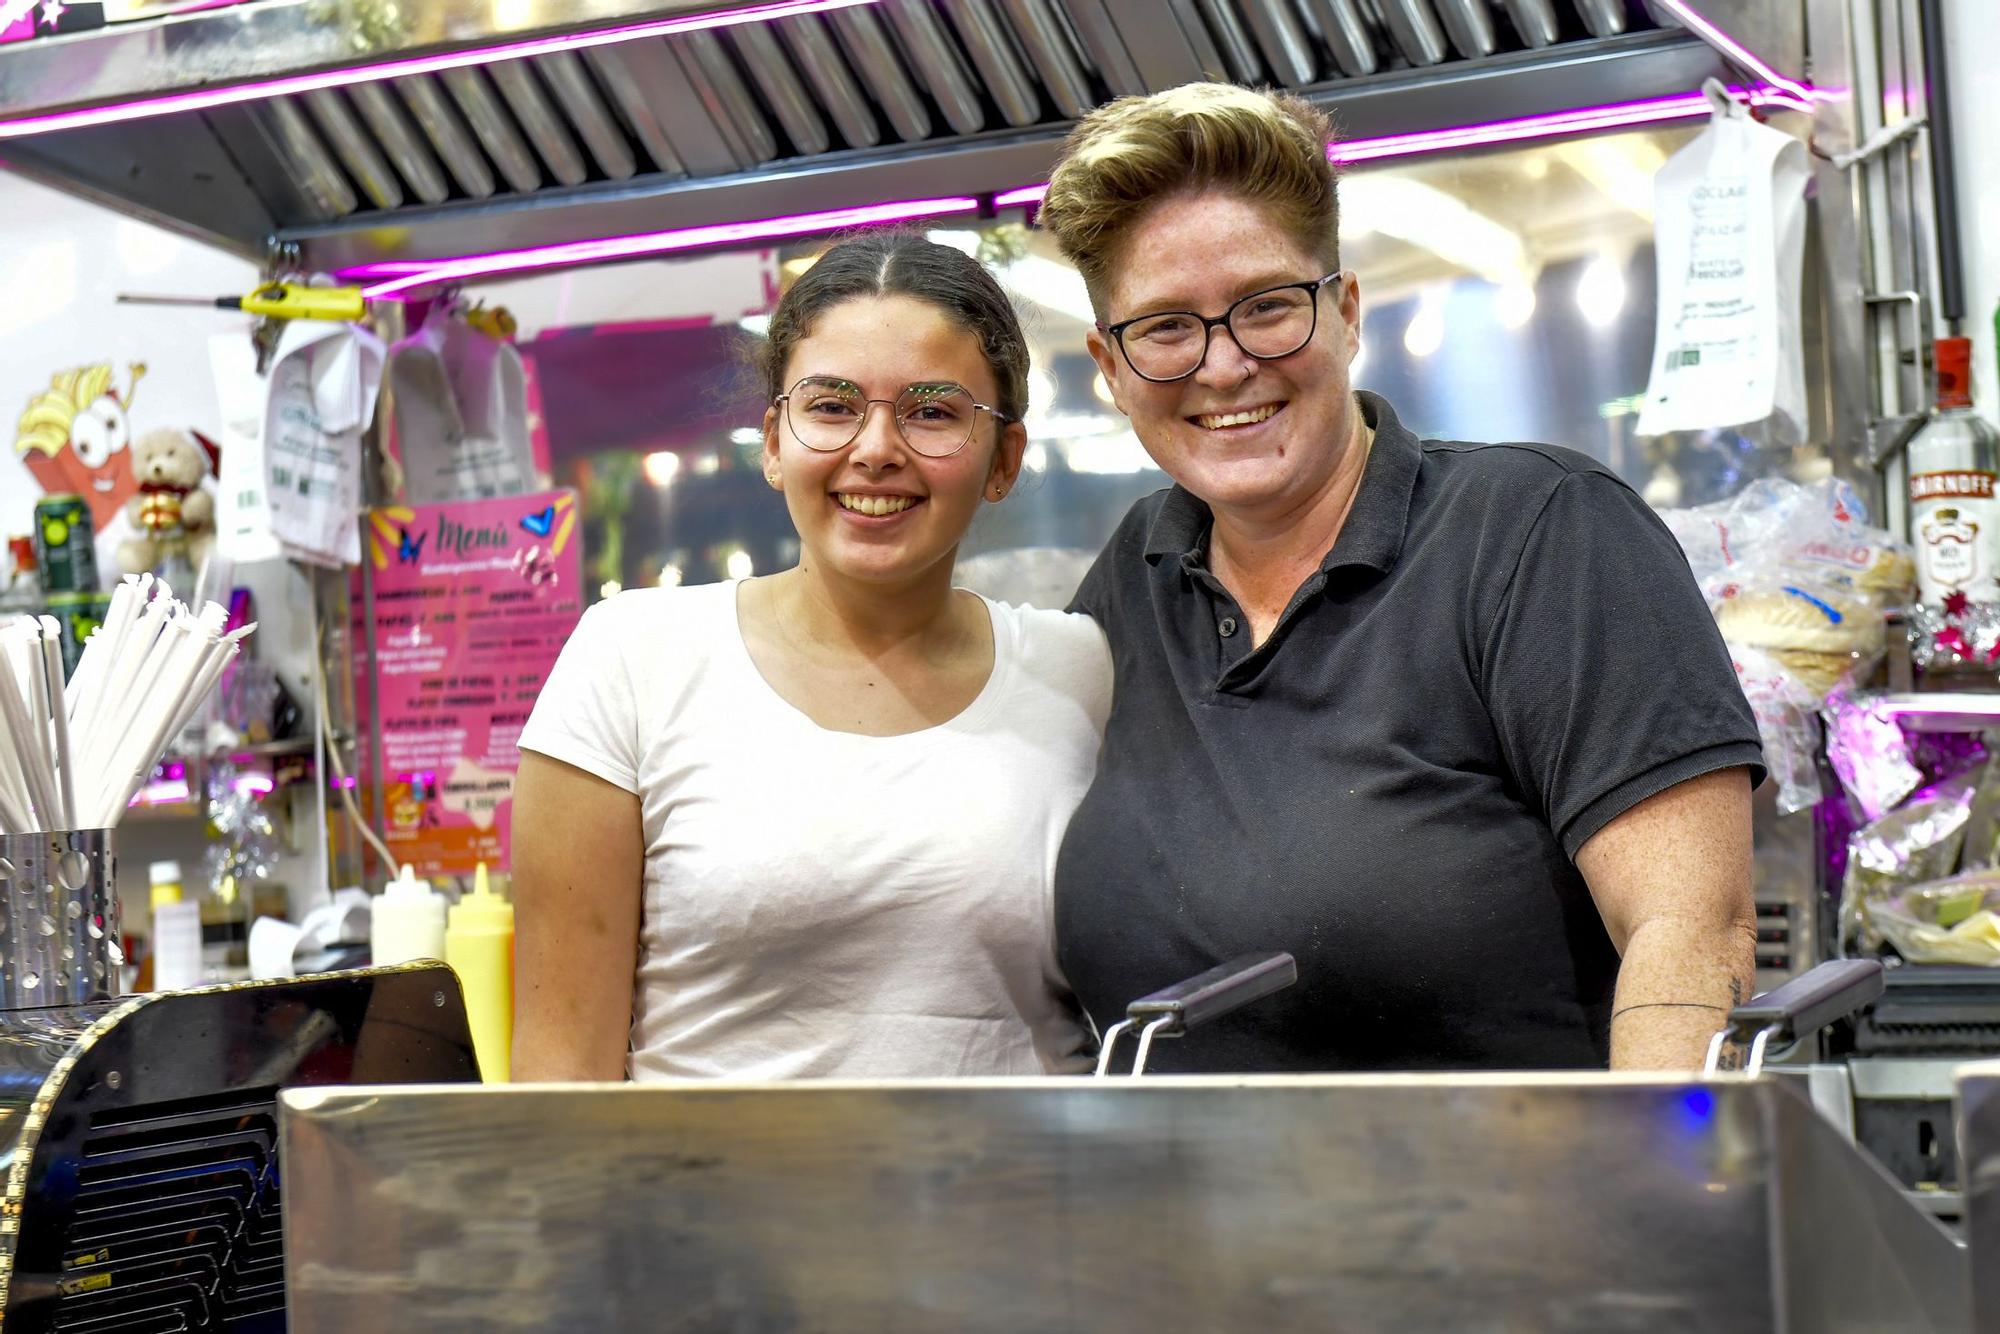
627	247
204	98
1692	19
405	274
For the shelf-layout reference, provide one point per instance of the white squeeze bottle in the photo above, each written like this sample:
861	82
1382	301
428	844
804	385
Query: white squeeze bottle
176	931
406	922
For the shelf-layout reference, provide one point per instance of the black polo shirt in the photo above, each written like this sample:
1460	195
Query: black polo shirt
1503	651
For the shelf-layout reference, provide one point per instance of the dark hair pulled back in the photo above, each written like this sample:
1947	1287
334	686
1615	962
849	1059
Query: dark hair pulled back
903	262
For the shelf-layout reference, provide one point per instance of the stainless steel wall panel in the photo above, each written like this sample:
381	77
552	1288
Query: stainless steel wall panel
817	55
1604	18
1534	20
1233	40
494	128
400	141
1469	26
441	124
1346	34
1105	45
539	121
934	54
722	91
356	151
1045	35
628	98
580	101
783	92
873	54
988	43
1416	30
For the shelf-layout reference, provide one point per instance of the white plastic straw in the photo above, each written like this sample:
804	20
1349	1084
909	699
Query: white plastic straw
74	754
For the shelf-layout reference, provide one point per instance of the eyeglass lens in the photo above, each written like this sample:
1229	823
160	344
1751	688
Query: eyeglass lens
1264	324
826	413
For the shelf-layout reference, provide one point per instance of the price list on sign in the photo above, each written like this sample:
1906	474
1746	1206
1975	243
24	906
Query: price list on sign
473	601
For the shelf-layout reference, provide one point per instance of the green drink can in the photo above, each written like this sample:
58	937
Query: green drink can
64	545
78	614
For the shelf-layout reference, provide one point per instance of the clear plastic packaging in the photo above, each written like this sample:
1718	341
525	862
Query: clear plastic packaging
1945	921
1913	845
1799	583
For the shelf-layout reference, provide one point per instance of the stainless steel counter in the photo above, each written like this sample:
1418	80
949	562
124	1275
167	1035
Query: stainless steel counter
1413	1204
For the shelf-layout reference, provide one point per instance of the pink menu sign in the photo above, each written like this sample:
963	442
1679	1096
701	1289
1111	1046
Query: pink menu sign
473	601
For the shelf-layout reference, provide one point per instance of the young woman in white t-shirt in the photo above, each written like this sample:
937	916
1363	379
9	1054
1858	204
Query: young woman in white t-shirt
804	825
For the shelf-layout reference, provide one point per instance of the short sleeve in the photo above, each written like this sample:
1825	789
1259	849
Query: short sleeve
1604	672
1092	596
586	714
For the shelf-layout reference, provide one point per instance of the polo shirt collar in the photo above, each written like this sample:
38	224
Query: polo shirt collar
1372	536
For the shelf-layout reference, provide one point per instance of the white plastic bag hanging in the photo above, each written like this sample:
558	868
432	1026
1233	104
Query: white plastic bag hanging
1730	243
291	450
461	401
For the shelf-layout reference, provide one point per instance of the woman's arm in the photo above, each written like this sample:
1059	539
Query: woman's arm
578	864
1671	877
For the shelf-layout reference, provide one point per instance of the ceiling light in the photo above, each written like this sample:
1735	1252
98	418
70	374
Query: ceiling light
661	467
1425	333
1514	303
738	564
1622	170
1600	292
1431	219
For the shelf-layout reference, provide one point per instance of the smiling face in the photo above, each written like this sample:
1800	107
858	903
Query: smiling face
1254	439
875	510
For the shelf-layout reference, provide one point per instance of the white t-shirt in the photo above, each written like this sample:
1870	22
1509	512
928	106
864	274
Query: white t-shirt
822	904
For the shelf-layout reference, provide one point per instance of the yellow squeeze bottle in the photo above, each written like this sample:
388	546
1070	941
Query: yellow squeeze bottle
479	946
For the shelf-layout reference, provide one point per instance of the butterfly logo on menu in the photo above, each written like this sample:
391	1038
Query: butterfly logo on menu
409	549
540	522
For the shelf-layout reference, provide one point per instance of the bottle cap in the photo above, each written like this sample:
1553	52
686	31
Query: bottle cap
406	887
482	909
1954	373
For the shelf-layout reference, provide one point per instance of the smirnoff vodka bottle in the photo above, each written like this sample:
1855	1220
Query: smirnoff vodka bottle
1954	511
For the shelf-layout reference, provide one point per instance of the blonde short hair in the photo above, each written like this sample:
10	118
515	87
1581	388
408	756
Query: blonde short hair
1132	153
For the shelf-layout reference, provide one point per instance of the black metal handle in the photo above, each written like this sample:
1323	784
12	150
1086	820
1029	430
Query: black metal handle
1225	987
1808	1003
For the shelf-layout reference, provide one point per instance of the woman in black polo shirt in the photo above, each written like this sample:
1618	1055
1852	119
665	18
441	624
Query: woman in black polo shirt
1448	721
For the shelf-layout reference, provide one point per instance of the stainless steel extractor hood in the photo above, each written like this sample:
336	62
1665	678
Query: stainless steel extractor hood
821	108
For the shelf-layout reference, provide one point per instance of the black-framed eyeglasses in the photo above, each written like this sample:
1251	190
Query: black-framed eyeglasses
936	417
1170	345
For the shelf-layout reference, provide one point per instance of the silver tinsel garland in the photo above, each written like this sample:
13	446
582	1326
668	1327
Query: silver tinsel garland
1940	641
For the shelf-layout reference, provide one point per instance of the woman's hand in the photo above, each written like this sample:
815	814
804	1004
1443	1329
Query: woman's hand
1671	877
578	865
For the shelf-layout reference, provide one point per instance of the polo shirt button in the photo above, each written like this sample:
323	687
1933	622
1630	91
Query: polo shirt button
1228	626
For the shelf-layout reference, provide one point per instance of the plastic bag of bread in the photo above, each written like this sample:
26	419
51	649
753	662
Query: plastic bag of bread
1821	634
1779	532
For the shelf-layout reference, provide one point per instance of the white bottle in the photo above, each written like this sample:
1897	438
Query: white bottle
176	931
407	922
